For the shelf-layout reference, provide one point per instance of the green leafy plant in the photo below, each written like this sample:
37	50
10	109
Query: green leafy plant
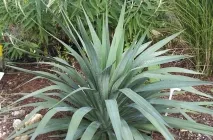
112	98
21	27
15	49
34	15
29	14
196	17
20	50
141	14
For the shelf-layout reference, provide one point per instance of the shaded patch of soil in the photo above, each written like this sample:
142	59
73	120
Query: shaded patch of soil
14	83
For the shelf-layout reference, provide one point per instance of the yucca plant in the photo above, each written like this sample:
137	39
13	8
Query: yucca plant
112	97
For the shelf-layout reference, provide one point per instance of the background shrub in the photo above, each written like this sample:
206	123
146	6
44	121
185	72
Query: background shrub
196	18
139	16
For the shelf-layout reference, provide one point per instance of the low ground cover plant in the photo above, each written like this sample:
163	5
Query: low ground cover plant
112	97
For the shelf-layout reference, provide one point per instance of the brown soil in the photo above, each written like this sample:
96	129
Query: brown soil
12	83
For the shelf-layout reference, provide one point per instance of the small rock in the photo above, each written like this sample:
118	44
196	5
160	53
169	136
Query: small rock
16	124
156	33
5	118
9	82
19	113
3	134
34	119
24	137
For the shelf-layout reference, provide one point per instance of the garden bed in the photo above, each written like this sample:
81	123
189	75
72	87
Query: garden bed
12	84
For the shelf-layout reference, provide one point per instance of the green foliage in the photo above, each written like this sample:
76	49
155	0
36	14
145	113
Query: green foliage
34	15
140	14
16	49
112	97
196	17
19	31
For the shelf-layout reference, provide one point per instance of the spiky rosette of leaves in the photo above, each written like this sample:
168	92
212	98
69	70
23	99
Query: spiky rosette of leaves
113	98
